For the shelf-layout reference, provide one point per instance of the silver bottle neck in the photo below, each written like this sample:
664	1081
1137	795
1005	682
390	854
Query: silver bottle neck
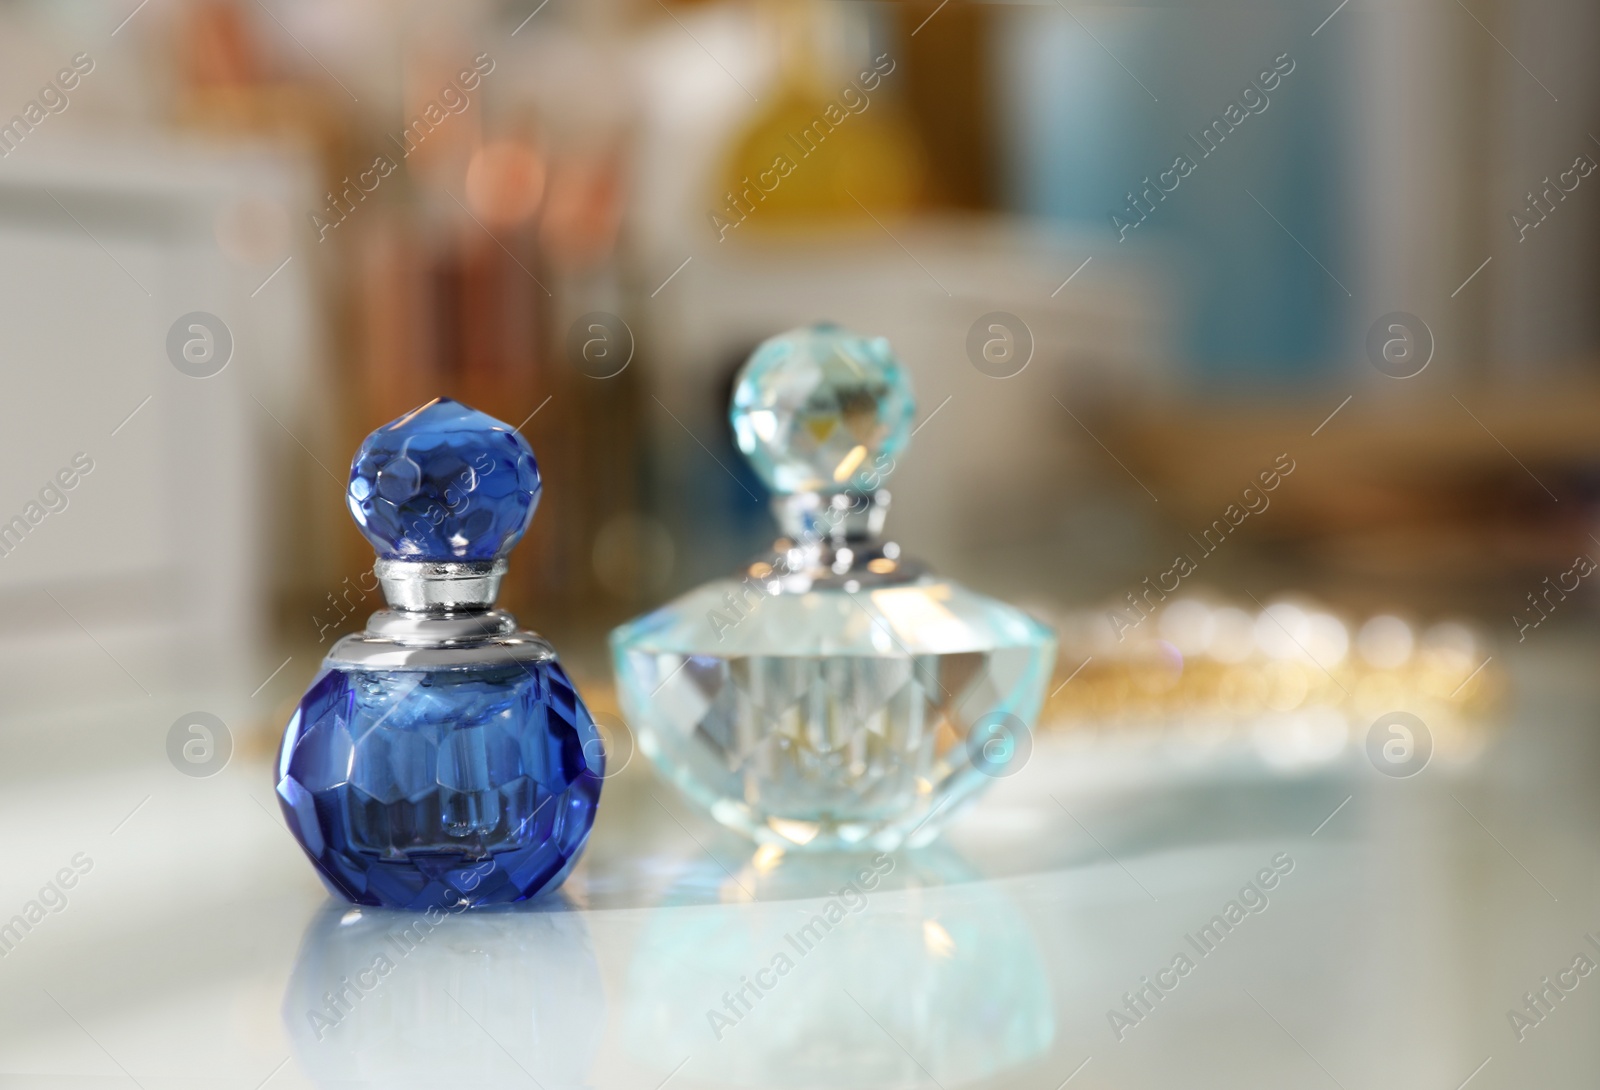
440	615
832	541
840	518
440	586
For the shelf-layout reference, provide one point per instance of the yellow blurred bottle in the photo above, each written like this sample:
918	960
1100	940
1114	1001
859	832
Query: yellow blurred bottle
818	152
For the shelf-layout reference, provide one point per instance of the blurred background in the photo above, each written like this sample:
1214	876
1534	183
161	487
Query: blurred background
1133	257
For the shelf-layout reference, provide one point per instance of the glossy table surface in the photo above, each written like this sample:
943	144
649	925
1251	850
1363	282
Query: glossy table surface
1404	920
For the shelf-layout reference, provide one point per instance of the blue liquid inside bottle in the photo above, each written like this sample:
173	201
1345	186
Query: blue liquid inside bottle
415	788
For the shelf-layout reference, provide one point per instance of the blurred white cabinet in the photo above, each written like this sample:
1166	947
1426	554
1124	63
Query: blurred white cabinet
153	577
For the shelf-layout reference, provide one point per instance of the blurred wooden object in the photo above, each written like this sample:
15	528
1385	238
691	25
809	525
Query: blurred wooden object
1428	485
458	312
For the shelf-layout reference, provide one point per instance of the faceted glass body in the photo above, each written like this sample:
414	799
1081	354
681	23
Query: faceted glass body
444	483
832	719
814	406
432	787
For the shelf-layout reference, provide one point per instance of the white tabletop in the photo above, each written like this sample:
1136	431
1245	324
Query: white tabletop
1404	920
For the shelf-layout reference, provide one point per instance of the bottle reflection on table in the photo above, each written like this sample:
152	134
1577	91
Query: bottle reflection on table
876	969
430	998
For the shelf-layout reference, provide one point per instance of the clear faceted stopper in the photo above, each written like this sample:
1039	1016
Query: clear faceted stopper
816	407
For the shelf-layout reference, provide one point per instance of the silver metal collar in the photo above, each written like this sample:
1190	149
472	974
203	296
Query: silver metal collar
832	542
431	586
398	641
440	616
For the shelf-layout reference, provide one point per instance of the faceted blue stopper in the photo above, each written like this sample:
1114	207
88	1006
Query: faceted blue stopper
444	482
817	409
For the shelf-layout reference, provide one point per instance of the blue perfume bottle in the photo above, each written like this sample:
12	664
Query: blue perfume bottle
834	694
442	758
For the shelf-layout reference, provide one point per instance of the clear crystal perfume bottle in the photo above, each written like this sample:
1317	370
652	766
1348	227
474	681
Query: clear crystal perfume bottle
833	694
442	757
